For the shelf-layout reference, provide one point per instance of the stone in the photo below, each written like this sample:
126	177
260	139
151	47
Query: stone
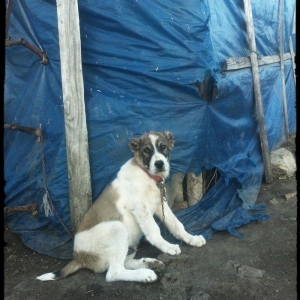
289	196
245	271
274	201
169	278
283	163
231	267
12	258
198	294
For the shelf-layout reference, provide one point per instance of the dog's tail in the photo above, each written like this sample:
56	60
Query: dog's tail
70	268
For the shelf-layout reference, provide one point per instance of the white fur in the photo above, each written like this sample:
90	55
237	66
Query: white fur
46	277
139	200
158	156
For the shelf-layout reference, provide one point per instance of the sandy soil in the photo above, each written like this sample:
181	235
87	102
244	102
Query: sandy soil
261	265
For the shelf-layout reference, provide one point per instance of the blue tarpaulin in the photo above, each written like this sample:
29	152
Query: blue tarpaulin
141	64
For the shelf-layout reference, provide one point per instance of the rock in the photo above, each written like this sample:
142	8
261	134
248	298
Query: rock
283	163
236	266
289	196
198	294
169	279
287	219
12	296
245	271
230	264
12	258
274	201
231	267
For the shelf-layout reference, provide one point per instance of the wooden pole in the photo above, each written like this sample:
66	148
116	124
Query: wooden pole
194	188
281	51
293	59
235	63
257	92
80	194
294	22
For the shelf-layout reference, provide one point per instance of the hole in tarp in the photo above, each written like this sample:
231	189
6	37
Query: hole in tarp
208	89
209	179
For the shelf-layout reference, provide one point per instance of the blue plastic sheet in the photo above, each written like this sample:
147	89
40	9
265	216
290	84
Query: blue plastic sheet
141	60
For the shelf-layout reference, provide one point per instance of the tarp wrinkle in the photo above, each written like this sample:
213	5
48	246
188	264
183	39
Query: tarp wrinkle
141	63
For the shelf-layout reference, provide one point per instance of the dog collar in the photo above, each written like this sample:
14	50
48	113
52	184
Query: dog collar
156	178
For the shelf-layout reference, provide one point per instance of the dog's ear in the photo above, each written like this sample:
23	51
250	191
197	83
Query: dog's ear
170	139
135	144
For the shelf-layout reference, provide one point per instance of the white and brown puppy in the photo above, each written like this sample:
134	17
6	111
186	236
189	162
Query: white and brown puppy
110	232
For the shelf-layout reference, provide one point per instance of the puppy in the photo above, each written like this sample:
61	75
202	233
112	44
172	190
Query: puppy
110	232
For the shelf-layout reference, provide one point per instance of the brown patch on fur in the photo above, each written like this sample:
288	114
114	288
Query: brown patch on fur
138	144
170	138
89	260
103	209
70	268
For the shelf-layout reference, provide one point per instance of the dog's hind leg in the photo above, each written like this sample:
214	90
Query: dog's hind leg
116	257
148	263
117	272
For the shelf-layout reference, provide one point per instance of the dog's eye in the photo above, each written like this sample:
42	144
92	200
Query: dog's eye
146	150
163	147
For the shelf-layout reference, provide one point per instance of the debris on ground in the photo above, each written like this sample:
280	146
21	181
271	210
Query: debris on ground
283	163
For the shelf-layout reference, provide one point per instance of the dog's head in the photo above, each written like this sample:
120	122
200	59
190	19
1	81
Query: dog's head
152	151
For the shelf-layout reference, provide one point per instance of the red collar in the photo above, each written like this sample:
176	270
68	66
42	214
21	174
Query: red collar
156	178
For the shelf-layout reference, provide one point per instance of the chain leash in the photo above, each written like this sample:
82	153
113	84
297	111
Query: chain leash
163	198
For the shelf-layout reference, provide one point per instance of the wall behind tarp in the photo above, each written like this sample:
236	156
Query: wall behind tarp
141	62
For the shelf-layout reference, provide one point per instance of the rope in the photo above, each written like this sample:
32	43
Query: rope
48	205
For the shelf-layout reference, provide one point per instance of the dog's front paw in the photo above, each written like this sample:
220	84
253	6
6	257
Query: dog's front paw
197	241
172	249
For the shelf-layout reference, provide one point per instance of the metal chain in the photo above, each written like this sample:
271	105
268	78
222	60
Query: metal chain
163	198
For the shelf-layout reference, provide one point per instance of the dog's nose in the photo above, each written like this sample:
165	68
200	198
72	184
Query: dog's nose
159	164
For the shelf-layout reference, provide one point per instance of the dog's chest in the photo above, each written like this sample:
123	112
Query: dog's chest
143	196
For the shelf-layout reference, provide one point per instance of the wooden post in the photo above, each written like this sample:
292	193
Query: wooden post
293	58
80	194
257	92
294	22
194	188
291	45
281	51
235	63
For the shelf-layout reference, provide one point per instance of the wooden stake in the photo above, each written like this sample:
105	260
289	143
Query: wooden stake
281	49
194	188
293	58
257	92
80	193
235	63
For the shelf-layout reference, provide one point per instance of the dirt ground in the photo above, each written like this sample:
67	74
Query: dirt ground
261	265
